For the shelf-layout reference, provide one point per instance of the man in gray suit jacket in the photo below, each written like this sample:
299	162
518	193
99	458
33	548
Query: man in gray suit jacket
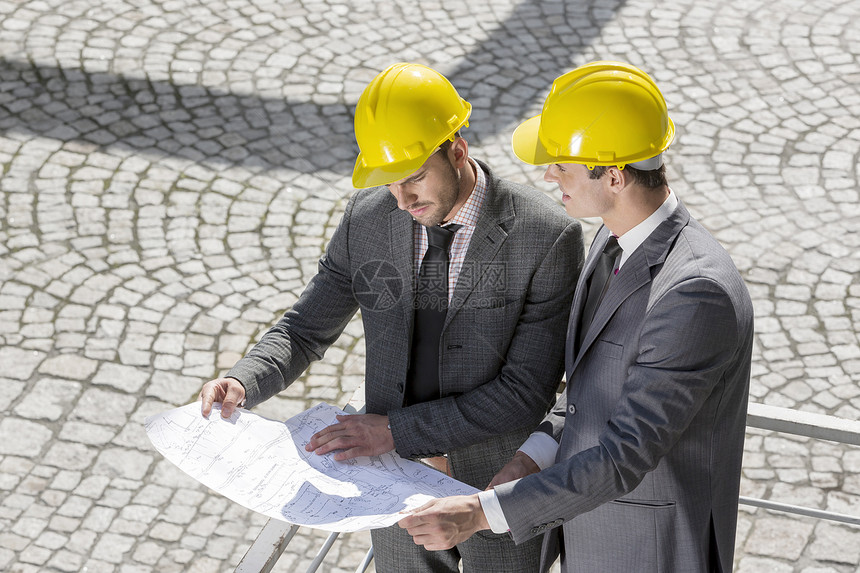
637	467
513	265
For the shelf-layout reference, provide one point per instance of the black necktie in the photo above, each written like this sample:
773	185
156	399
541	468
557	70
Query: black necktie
598	283
431	306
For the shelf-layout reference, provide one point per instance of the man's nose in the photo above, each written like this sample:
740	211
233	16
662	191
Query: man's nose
404	197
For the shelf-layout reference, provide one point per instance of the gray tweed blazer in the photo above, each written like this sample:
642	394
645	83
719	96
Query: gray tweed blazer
502	348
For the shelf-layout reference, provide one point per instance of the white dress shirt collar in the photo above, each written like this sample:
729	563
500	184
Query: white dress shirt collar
631	240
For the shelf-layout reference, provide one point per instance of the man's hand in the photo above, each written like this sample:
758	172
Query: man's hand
443	523
356	434
519	467
228	391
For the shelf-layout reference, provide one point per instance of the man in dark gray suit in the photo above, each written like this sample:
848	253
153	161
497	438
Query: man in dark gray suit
465	373
637	467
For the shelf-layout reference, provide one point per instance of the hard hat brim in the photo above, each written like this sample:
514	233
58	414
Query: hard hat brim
364	176
527	145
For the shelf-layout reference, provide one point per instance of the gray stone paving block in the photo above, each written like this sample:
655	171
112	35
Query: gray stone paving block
843	502
139	513
69	366
64	523
38	511
20	437
12	389
193	542
111	547
35	555
204	526
66	561
167	474
836	543
148	552
119	462
53	498
32	485
778	537
69	455
8	482
75	506
173	388
66	480
153	495
99	519
98	566
28	527
48	399
179	514
81	541
85	433
103	407
20	364
163	531
6	556
125	378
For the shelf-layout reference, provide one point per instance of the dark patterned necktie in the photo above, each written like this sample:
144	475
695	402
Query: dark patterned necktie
598	283
431	307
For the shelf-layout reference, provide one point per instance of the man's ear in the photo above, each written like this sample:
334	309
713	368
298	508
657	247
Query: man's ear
616	179
458	153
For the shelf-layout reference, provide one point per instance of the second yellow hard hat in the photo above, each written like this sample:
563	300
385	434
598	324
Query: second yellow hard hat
602	113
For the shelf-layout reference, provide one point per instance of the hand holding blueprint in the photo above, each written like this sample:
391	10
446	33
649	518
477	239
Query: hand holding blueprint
262	464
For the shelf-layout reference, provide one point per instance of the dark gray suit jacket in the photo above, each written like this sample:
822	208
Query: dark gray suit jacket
501	352
651	425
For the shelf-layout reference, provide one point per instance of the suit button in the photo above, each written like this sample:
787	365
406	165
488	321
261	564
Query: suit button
571	409
400	387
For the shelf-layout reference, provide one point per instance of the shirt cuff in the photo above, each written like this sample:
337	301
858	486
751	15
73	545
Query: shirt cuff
493	511
541	448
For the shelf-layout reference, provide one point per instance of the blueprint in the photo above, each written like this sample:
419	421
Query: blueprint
262	464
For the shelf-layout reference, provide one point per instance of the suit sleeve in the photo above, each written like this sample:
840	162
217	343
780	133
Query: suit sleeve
305	331
688	341
518	396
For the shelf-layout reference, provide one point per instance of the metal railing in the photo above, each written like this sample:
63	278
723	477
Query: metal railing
276	535
810	425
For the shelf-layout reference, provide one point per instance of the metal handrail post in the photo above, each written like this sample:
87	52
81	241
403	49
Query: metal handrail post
365	563
267	548
322	552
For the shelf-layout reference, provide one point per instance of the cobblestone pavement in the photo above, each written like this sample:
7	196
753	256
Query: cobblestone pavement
171	170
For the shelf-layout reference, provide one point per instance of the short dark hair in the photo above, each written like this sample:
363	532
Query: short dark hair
446	145
652	179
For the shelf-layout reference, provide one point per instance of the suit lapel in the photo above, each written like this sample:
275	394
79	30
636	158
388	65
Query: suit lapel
489	236
635	274
579	296
400	239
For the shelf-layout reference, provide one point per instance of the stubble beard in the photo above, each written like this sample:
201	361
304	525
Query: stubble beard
447	199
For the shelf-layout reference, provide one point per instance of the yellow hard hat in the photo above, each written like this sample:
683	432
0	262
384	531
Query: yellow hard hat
402	116
602	113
